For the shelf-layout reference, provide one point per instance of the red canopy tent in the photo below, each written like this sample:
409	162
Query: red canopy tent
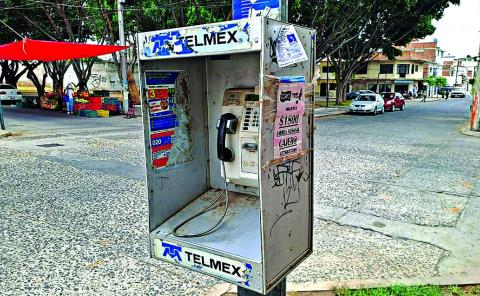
47	51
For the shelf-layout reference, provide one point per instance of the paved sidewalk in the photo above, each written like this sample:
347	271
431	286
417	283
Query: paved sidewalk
429	99
468	132
330	111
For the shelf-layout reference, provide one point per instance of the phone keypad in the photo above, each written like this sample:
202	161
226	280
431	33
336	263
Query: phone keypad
251	119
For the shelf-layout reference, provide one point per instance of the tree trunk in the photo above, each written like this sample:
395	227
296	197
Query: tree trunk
38	83
133	89
11	73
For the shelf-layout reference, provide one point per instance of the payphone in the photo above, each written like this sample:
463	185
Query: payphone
230	183
238	129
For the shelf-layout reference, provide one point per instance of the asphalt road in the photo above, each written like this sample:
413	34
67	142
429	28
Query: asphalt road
397	196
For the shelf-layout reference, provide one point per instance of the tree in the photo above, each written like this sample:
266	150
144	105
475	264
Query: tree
380	26
149	15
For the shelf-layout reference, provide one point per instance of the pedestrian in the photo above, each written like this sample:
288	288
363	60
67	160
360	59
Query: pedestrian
424	95
447	93
69	98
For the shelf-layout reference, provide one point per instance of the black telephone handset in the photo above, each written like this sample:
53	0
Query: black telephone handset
227	124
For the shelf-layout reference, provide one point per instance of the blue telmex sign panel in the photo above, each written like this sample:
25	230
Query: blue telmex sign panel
244	8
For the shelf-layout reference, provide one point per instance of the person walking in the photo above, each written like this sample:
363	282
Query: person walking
69	98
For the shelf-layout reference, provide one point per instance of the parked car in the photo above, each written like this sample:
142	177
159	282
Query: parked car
9	93
393	100
458	92
367	103
354	94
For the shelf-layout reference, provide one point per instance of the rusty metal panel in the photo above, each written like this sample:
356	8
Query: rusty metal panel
286	186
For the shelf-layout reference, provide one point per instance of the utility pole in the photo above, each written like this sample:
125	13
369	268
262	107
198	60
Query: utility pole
328	82
123	57
2	123
456	72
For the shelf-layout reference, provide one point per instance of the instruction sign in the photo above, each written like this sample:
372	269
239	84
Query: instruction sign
250	8
287	138
289	48
163	120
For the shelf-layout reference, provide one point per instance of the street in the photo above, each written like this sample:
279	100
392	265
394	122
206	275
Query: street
396	197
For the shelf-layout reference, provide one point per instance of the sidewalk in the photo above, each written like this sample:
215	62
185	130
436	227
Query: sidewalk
468	132
429	99
330	111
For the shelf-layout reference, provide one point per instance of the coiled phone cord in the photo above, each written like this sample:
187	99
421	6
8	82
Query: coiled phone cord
205	210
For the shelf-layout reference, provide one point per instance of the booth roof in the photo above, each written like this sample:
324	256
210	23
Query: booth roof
47	51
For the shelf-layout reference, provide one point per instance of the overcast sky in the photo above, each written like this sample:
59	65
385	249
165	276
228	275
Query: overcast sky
458	31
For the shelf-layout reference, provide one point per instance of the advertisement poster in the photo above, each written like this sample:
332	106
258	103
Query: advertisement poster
289	48
163	120
287	138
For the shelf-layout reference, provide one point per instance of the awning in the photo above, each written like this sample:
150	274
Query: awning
47	51
403	82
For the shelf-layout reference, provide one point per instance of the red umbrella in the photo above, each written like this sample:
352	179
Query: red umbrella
46	51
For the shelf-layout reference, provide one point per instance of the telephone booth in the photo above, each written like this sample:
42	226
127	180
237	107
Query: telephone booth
228	125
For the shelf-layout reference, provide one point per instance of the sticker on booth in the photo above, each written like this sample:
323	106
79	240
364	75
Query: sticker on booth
287	138
169	117
289	47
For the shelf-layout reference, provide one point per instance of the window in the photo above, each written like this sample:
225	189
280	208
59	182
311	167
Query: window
413	68
403	69
326	69
386	68
6	86
362	68
416	68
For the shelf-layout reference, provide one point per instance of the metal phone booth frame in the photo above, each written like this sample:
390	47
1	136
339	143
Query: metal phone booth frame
186	77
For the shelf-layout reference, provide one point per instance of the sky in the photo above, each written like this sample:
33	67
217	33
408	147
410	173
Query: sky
458	31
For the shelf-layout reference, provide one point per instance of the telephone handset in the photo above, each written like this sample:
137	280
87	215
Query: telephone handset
226	124
237	138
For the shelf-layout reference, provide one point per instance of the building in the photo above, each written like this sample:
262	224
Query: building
459	70
407	72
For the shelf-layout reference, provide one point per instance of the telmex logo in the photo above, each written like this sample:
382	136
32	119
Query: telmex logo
175	252
172	251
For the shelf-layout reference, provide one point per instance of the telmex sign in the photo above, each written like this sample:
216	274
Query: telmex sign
221	267
234	36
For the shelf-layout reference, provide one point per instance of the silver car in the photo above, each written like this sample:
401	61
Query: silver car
367	103
9	93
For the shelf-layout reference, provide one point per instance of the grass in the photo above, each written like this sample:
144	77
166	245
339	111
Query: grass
413	291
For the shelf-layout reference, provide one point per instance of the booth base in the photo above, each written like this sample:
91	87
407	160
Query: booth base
237	237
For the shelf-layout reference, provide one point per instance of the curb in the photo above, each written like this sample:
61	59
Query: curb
468	132
338	112
471	277
4	134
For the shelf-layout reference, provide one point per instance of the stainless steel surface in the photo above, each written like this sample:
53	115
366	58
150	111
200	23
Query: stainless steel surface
239	234
269	228
171	189
286	187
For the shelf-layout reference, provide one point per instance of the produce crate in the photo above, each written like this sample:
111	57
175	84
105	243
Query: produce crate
109	107
80	106
90	113
103	113
111	101
80	113
95	103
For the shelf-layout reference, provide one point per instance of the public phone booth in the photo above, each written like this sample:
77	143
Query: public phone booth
229	148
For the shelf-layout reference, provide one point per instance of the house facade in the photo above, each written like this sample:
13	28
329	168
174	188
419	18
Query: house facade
407	72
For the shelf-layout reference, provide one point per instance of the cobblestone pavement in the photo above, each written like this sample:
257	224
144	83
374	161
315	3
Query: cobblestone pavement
397	195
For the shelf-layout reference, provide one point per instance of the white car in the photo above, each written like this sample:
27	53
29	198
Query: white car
9	93
458	92
368	103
